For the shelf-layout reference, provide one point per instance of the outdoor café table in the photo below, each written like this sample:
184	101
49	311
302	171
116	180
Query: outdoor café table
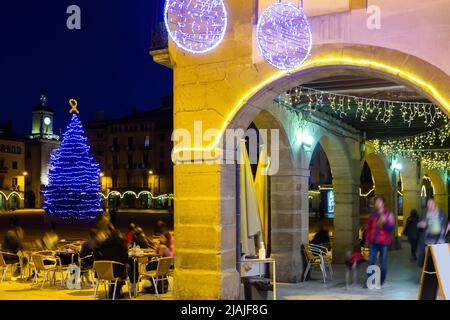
265	261
67	257
135	257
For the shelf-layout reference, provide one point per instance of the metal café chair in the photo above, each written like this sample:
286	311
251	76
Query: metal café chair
326	256
160	274
4	265
315	259
104	270
85	270
48	269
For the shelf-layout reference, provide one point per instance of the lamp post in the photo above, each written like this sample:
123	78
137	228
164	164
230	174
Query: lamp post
396	167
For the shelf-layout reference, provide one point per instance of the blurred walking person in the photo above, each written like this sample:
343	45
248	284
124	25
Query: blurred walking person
433	227
379	229
412	232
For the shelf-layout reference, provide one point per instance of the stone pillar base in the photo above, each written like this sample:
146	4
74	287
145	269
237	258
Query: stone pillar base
206	285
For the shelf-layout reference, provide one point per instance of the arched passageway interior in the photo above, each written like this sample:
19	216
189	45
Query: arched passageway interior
336	176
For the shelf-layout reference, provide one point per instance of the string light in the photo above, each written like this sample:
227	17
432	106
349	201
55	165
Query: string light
363	108
418	147
196	26
284	36
415	150
137	195
73	188
378	65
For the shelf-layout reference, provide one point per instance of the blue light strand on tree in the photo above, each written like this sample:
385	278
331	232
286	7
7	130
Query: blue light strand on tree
73	188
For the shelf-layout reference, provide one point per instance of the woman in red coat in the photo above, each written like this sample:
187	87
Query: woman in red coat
379	229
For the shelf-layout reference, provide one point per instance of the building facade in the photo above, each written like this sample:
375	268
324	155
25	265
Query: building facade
134	154
24	161
233	85
39	146
12	172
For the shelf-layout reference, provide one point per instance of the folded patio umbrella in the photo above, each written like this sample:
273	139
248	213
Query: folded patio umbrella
262	192
250	220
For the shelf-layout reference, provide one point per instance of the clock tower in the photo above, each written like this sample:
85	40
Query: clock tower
42	127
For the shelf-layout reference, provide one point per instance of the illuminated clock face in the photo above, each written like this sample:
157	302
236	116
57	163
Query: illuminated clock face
47	121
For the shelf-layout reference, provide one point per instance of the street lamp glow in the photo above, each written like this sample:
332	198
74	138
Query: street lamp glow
305	139
102	174
25	173
150	172
396	165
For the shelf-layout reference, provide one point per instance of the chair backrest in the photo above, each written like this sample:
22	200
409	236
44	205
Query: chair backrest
48	253
2	261
38	260
311	252
323	250
163	266
105	269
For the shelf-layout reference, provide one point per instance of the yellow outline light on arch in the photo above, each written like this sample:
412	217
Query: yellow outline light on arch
349	61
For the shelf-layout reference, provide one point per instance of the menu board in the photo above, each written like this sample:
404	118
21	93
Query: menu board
436	273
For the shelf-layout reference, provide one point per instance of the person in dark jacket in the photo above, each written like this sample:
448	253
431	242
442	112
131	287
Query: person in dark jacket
140	239
379	229
114	248
412	232
322	236
433	228
87	249
13	243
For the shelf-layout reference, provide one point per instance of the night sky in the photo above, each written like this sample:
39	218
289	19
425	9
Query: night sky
106	65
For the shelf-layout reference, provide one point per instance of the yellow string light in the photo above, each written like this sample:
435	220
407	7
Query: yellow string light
314	63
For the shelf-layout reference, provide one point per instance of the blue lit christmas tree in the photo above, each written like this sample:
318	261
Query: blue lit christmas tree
73	180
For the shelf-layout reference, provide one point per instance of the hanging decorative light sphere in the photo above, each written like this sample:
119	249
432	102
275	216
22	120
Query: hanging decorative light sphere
197	26
284	36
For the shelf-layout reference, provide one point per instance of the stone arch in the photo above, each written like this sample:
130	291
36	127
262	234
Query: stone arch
288	190
30	199
440	190
342	59
379	167
223	93
346	165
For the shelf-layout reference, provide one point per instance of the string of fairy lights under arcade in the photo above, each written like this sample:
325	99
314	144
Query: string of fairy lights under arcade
427	147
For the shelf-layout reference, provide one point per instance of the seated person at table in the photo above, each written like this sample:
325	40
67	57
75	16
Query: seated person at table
162	250
87	249
129	235
50	239
160	228
321	237
170	242
140	239
13	243
114	248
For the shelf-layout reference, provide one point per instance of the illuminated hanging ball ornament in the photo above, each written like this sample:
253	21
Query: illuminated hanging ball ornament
196	26
284	36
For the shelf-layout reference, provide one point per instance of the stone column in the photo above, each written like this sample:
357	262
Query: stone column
346	218
411	188
205	232
290	222
388	192
442	201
